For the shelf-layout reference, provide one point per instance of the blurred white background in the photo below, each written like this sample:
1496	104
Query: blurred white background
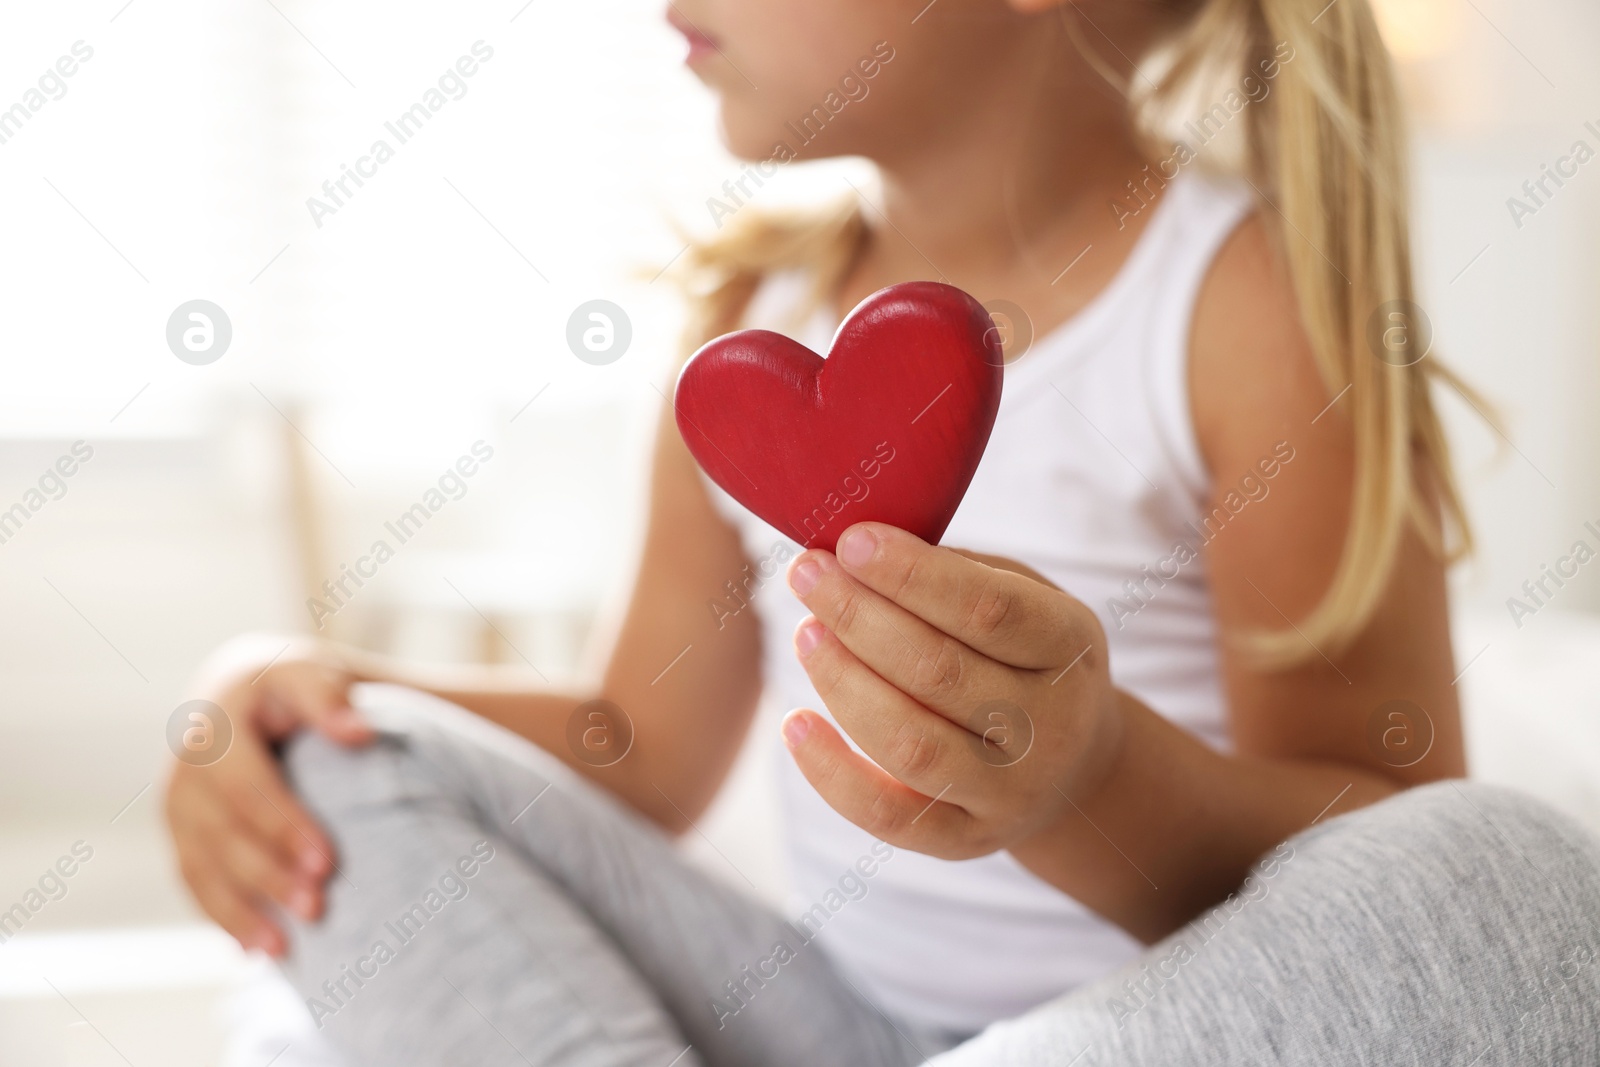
429	312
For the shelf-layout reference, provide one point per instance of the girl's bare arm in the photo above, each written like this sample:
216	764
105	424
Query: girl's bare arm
685	673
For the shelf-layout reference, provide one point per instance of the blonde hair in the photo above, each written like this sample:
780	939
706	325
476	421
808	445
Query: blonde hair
1325	151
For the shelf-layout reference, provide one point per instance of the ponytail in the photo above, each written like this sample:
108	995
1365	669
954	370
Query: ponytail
1325	151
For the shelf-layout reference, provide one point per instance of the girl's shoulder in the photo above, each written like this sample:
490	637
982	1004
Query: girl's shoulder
1252	368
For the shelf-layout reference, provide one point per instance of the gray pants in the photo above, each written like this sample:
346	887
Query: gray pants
493	908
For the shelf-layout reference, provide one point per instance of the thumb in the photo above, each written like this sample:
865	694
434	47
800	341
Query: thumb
1001	563
320	698
344	724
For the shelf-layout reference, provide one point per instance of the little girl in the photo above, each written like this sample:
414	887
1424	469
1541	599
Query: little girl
1047	797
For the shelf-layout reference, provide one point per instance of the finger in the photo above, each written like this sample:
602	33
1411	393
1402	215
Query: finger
926	751
258	870
933	668
205	824
230	910
255	793
872	799
213	803
1000	613
317	695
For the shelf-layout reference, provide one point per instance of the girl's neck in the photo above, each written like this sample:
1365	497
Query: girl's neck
1006	193
978	205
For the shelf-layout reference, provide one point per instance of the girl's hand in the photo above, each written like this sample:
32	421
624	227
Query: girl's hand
979	689
242	838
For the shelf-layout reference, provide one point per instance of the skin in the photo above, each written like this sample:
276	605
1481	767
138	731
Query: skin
1000	148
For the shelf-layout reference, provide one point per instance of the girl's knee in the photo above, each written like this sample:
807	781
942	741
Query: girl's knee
335	781
1456	860
1463	828
412	759
428	755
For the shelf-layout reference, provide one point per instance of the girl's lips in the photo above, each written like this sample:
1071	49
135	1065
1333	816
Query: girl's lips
700	46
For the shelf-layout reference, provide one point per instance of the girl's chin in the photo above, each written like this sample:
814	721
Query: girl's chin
747	142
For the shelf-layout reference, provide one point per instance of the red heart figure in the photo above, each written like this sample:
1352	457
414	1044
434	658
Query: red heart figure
889	428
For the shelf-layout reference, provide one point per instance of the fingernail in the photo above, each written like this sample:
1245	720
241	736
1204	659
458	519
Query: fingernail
803	577
312	861
302	903
795	728
857	546
808	637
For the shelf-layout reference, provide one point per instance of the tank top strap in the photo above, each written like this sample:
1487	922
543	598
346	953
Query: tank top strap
1206	215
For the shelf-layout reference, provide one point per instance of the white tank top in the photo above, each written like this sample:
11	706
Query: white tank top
1092	473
